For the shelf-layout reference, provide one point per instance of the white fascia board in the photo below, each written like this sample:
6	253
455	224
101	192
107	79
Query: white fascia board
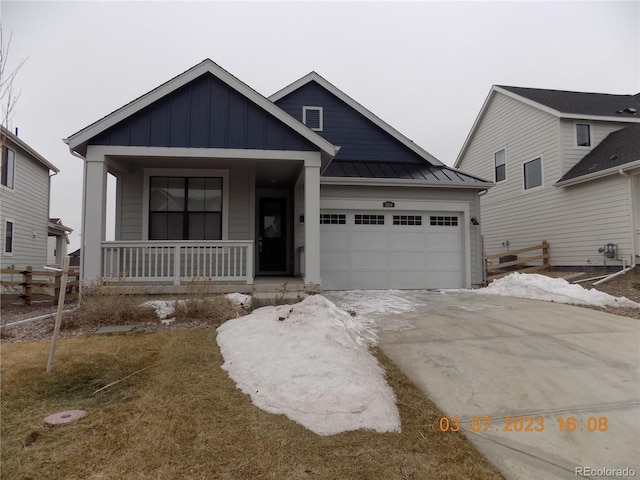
207	66
313	76
17	141
399	182
599	174
601	118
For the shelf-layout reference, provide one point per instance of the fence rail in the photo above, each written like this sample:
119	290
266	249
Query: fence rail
30	278
495	270
177	261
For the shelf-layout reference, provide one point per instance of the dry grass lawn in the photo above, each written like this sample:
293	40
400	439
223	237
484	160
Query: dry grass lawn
183	418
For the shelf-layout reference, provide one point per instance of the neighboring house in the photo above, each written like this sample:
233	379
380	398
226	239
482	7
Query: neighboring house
566	167
214	180
24	205
58	241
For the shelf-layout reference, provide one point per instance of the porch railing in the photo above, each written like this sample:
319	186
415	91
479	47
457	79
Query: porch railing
179	262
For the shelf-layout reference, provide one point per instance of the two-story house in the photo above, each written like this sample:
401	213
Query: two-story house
566	167
24	206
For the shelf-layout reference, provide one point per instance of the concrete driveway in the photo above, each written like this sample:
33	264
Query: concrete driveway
484	356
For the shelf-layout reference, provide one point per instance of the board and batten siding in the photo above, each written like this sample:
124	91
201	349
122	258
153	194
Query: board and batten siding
575	220
27	205
132	208
448	195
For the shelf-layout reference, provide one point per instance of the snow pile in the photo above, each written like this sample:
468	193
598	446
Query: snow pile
374	304
310	362
541	287
165	309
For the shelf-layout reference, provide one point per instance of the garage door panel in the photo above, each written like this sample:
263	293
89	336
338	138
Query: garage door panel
407	260
369	240
333	241
406	241
368	260
443	279
335	280
407	280
369	280
335	260
444	241
443	261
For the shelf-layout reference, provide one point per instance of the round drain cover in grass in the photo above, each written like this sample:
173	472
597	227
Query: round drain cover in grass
62	418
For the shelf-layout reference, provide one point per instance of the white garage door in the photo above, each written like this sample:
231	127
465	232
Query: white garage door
381	250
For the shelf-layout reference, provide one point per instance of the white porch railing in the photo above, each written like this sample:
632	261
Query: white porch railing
161	261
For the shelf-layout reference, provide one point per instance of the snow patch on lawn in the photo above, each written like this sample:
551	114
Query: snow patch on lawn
239	299
541	287
310	361
164	308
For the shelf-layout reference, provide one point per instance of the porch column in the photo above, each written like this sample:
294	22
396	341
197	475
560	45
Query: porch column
61	249
93	222
312	221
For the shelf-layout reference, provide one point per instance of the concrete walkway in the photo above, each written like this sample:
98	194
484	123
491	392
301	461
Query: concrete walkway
484	356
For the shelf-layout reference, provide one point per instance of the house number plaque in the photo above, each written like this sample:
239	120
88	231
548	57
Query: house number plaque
389	204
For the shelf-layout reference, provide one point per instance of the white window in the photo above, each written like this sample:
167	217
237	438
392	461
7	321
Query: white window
333	219
583	135
8	167
8	237
369	219
533	173
312	118
443	221
500	167
407	219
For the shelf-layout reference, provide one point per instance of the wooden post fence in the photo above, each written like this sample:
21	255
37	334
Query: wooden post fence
495	270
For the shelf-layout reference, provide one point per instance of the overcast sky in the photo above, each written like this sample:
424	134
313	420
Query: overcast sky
423	67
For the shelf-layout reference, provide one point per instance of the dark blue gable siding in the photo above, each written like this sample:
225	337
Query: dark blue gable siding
359	139
206	113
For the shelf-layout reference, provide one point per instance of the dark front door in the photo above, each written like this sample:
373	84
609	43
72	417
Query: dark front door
272	241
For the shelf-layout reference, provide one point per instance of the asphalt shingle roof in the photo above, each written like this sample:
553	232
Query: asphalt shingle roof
582	103
617	149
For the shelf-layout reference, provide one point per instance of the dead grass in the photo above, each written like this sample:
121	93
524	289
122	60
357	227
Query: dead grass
183	418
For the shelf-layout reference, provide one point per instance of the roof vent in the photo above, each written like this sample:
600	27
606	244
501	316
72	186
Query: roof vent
629	110
613	158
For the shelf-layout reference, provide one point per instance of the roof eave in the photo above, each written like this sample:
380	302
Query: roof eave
598	174
313	76
24	146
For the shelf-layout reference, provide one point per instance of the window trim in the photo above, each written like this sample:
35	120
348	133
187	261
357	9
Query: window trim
524	180
13	237
575	135
5	148
181	173
320	120
495	168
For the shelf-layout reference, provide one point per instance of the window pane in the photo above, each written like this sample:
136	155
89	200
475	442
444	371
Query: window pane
533	173
166	194
583	134
166	226
213	198
175	194
500	168
8	166
8	237
197	194
205	226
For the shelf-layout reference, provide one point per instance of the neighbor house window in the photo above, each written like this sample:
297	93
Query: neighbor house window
500	165
583	135
8	167
533	173
312	118
185	208
8	237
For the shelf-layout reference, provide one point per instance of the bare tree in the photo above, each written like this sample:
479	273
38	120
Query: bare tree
8	97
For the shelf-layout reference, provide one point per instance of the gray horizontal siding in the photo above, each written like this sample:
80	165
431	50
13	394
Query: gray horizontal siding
28	206
206	113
